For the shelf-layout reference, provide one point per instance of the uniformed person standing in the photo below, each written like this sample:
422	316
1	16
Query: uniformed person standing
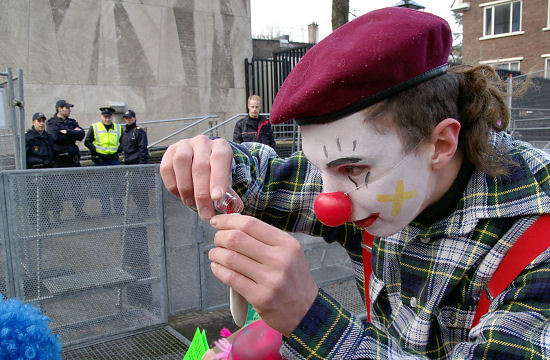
134	145
104	141
134	141
135	256
66	132
39	144
40	154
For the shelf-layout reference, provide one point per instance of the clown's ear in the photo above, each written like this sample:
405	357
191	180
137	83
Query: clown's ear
445	140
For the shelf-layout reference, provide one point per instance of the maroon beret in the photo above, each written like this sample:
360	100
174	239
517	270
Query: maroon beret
362	62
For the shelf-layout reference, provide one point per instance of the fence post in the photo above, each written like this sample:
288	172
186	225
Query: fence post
509	100
21	105
11	104
247	77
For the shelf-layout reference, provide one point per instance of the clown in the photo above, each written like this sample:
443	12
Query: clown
405	163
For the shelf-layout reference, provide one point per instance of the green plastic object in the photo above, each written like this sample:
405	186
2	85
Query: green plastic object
198	347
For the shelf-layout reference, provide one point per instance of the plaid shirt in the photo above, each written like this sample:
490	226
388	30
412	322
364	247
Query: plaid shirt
427	279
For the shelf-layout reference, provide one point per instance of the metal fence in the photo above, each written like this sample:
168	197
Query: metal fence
106	251
12	115
264	77
530	111
85	245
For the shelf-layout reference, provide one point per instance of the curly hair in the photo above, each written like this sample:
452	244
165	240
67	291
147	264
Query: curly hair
475	96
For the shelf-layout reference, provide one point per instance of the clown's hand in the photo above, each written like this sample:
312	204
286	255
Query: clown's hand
266	266
198	171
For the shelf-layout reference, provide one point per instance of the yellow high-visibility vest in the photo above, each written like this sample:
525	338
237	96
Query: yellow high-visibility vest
106	142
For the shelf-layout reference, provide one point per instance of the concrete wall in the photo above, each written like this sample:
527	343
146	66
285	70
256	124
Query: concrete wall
163	58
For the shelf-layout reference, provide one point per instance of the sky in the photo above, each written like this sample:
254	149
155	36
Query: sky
291	17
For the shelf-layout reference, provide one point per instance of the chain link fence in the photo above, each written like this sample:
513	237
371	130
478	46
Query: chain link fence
107	251
530	111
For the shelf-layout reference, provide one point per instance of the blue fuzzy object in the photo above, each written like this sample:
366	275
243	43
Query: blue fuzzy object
24	333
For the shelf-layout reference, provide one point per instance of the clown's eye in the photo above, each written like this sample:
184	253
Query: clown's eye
353	171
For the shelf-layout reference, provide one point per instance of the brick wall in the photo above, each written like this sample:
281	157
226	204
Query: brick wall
530	45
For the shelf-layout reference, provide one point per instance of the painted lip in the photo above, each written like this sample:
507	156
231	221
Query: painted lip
367	221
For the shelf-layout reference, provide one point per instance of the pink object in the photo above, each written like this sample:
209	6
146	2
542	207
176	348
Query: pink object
225	332
333	209
256	341
225	348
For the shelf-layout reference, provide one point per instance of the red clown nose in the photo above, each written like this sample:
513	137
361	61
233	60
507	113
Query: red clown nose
333	209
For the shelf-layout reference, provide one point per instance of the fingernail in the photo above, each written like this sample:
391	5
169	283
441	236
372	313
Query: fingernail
189	202
214	221
217	193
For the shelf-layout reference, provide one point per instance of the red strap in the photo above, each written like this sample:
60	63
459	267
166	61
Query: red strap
531	244
260	128
368	239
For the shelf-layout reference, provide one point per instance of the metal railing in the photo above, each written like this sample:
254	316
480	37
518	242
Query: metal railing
530	111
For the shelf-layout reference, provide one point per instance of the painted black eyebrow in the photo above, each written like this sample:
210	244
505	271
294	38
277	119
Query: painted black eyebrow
345	160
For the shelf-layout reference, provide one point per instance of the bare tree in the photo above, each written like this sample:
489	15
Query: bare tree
340	11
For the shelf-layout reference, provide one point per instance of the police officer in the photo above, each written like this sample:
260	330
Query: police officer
134	141
39	144
134	144
135	255
104	139
65	132
40	154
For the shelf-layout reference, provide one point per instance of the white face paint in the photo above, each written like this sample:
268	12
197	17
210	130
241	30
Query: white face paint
387	187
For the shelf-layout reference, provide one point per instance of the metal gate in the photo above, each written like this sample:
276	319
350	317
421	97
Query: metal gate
12	121
264	77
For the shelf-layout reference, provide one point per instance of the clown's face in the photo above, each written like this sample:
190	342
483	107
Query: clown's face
388	187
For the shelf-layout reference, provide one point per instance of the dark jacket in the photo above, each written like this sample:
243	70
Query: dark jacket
64	143
134	145
246	130
39	149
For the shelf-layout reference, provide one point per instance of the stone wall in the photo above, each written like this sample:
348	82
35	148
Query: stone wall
162	58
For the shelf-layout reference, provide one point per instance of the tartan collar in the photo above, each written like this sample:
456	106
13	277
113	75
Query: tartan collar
524	192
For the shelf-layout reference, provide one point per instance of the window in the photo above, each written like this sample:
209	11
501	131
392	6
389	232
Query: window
502	18
548	15
547	68
514	66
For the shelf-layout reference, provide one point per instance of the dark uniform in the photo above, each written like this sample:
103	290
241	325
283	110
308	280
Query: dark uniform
40	149
66	152
135	255
134	145
249	129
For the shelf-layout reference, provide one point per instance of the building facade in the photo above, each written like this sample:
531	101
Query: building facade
508	34
164	59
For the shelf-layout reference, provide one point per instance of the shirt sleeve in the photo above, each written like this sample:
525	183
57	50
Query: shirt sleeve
237	132
76	134
271	137
89	141
142	147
